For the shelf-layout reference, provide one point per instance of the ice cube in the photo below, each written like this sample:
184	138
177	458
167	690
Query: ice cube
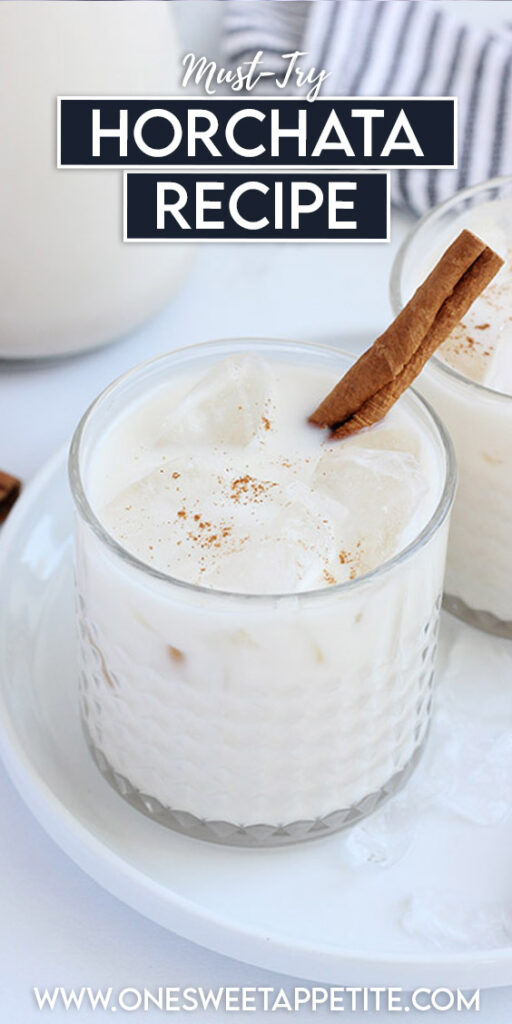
225	407
281	544
385	837
481	773
254	565
305	524
381	490
157	510
390	439
467	768
447	920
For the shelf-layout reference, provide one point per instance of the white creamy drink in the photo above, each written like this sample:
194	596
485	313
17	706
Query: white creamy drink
470	384
480	347
256	660
233	489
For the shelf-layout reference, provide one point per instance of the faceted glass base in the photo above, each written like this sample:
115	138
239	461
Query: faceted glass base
250	835
481	620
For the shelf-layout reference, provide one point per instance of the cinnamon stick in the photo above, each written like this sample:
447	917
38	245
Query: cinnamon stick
378	378
10	488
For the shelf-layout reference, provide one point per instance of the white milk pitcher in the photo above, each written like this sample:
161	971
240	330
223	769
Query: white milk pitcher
67	281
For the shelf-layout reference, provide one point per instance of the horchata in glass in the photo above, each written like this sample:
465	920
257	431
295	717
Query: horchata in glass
469	383
257	605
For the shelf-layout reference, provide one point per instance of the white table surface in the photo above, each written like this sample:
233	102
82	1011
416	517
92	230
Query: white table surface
57	927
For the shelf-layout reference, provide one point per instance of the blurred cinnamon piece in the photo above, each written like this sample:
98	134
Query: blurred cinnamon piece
10	488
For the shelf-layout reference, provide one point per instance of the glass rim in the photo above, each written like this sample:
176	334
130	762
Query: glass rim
84	508
395	282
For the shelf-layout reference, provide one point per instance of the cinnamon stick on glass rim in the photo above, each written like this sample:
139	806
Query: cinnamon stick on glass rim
377	379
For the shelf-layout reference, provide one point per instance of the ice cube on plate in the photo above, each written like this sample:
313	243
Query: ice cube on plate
386	836
481	771
446	920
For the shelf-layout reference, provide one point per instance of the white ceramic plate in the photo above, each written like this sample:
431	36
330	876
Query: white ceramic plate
303	910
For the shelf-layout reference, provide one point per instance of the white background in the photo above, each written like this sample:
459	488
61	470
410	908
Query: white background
57	927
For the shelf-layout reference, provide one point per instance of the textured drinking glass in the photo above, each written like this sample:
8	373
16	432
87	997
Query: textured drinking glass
253	719
478	585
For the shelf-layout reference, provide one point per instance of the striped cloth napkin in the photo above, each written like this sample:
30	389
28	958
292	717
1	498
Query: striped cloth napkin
396	48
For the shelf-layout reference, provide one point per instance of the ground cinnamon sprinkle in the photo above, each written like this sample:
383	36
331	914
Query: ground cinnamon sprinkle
175	654
347	558
465	346
460	346
247	488
266	422
207	540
